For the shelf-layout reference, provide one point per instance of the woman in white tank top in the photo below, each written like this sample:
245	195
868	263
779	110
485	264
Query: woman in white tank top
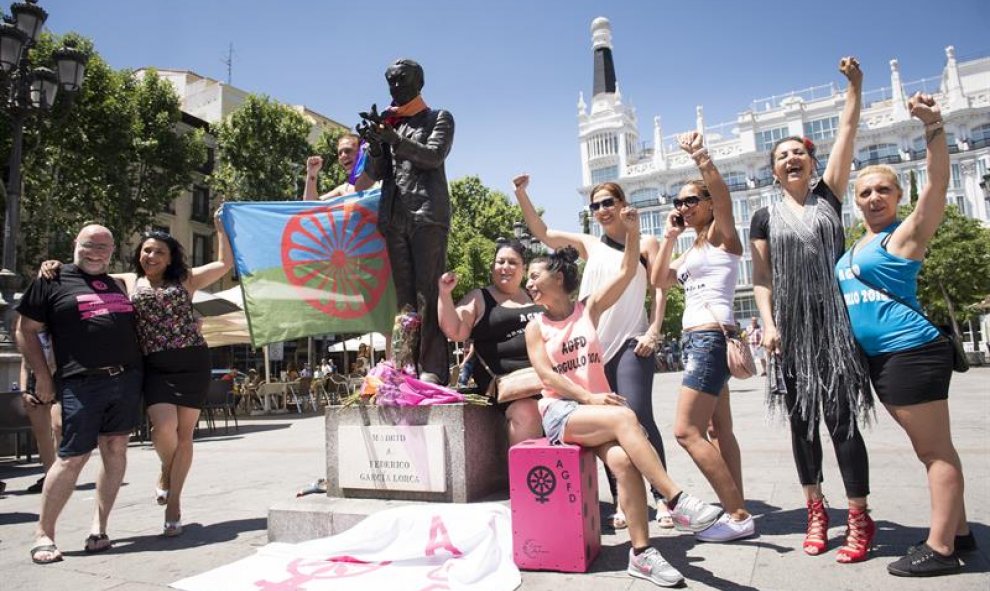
708	272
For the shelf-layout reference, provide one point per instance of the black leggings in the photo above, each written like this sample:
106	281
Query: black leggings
632	377
850	450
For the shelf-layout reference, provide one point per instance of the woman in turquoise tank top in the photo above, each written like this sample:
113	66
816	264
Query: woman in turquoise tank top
910	362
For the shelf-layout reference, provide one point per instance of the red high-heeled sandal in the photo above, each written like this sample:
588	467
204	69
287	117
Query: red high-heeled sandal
816	539
860	530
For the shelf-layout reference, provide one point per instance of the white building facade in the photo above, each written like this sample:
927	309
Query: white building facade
652	171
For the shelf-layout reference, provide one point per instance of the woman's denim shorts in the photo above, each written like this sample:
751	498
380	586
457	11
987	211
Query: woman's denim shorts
555	419
703	354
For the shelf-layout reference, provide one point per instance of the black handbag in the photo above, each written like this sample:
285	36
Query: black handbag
959	361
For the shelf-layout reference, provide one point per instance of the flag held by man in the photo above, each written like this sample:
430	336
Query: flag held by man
310	268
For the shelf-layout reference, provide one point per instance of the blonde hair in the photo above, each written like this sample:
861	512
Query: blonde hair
881	169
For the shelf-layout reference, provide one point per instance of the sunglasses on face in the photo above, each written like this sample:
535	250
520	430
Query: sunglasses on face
607	202
688	201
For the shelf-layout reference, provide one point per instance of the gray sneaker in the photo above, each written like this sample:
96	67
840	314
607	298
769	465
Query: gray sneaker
693	515
651	566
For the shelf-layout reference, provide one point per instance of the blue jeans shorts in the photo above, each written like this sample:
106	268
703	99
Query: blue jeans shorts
555	419
98	405
703	353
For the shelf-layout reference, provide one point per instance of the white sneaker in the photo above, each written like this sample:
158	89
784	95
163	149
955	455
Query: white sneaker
727	529
651	566
693	515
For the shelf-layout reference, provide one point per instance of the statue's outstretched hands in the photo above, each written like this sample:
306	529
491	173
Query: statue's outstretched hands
371	115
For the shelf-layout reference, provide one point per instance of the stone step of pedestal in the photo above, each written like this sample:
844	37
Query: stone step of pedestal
318	516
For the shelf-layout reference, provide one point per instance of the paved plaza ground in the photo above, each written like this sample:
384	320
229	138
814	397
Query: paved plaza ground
236	477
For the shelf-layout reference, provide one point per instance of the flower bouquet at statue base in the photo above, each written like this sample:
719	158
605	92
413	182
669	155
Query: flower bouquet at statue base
395	383
405	339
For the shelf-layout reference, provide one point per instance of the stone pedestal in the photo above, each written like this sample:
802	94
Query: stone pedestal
474	449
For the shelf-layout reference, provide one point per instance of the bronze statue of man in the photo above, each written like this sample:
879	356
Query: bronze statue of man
407	146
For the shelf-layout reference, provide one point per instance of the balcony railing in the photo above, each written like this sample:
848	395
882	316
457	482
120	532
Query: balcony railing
889	159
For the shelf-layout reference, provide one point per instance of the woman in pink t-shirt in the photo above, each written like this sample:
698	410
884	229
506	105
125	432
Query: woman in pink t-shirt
578	406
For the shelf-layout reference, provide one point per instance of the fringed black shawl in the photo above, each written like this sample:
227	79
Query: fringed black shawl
818	349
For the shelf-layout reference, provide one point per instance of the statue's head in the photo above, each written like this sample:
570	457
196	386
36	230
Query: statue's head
405	80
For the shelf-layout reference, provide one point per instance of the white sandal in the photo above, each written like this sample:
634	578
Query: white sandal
618	520
173	528
664	519
161	496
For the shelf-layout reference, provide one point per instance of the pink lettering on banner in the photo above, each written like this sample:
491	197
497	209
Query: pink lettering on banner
335	567
440	539
101	304
440	575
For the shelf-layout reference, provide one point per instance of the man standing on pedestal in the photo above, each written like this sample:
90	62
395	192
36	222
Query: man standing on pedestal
407	145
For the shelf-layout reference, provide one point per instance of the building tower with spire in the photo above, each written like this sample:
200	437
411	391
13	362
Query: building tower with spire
609	133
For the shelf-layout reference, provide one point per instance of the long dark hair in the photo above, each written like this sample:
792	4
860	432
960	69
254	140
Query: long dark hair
515	245
563	261
177	269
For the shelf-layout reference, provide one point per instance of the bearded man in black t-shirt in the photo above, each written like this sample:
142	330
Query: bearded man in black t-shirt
97	379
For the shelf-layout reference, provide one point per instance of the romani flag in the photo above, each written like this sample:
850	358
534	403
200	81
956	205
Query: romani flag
311	267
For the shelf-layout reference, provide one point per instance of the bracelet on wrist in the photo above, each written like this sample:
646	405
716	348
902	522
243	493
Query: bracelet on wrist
934	125
700	154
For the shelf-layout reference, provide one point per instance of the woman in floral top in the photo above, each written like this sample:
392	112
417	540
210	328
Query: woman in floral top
176	359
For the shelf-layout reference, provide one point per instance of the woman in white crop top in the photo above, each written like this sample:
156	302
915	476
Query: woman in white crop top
708	272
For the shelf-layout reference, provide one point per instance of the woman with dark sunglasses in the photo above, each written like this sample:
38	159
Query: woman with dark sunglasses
708	272
176	359
816	365
628	337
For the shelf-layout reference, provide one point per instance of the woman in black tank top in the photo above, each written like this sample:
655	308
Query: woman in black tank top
495	318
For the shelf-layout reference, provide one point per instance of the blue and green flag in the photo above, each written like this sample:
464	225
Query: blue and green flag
311	267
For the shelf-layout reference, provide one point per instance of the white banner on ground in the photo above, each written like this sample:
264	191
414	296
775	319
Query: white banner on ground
434	547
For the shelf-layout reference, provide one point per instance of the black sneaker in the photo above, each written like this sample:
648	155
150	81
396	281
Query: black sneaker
924	562
964	544
37	487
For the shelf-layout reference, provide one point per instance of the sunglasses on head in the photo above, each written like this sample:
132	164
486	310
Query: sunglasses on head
688	201
606	202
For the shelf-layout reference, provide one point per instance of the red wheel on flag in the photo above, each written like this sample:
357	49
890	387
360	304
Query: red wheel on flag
336	256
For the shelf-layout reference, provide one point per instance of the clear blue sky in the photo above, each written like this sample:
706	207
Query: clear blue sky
510	71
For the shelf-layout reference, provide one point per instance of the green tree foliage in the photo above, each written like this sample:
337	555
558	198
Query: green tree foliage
479	216
958	261
333	174
115	154
262	152
673	312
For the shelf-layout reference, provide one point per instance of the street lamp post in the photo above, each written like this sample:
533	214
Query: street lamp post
519	231
29	92
532	244
985	185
